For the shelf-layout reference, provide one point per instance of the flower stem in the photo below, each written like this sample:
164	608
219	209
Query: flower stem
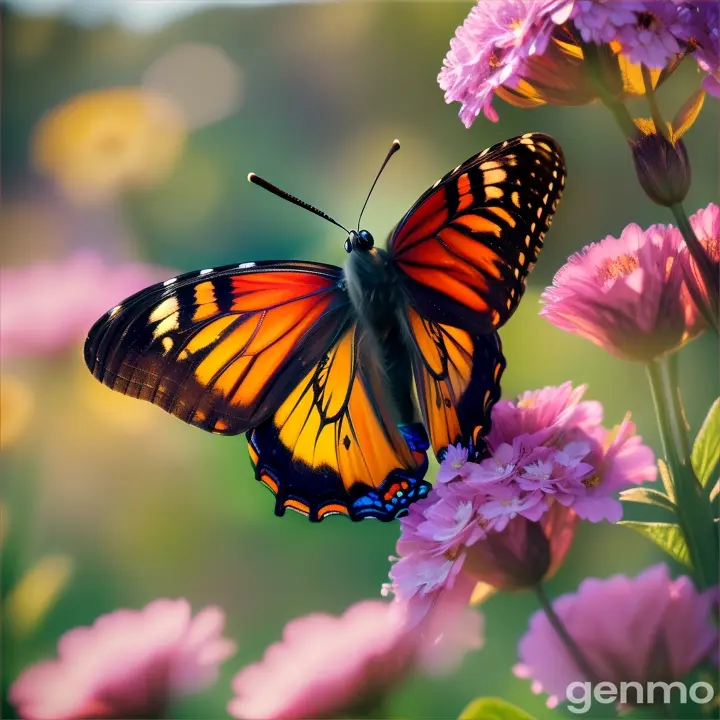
693	508
678	409
580	660
707	272
660	124
661	410
615	106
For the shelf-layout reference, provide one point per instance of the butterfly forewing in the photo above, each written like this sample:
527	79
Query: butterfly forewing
465	248
221	349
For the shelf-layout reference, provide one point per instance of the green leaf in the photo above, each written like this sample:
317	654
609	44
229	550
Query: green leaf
706	450
667	479
667	536
647	496
493	709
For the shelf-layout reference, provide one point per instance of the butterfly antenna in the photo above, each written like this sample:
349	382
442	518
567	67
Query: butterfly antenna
393	149
257	180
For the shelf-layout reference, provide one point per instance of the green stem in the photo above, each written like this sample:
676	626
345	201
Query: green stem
580	660
694	512
708	273
661	411
678	410
616	107
660	124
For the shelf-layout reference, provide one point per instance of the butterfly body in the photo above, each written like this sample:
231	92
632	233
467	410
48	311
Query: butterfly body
343	379
376	295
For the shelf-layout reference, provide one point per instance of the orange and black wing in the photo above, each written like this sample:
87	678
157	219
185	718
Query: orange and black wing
465	248
457	375
221	349
330	447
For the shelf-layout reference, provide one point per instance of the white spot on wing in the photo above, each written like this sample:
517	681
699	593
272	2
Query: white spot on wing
206	271
170	281
245	266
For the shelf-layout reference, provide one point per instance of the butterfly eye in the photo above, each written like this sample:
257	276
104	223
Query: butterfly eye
365	240
348	246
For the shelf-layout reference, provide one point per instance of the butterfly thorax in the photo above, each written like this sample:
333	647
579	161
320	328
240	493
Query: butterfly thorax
376	297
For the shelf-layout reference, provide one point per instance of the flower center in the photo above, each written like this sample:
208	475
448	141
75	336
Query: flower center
591	482
618	267
457	464
712	247
452	554
494	61
646	20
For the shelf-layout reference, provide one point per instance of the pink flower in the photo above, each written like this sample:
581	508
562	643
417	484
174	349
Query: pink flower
327	666
649	628
706	42
598	20
652	37
49	306
490	49
454	463
626	294
706	224
510	519
650	32
129	663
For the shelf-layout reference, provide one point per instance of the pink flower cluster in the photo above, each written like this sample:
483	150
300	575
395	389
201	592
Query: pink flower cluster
629	295
49	306
550	460
640	630
136	663
497	41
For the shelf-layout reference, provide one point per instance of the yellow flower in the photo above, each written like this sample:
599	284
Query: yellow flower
29	602
101	143
16	408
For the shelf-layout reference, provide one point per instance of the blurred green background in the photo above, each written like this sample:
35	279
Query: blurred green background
310	96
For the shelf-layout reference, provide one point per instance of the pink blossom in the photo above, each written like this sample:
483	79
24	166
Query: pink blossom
644	629
454	463
49	306
598	20
491	48
327	666
650	32
129	663
706	42
706	225
509	521
626	294
653	38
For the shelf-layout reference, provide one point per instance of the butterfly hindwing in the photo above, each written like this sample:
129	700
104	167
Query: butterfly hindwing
465	248
221	349
457	375
329	448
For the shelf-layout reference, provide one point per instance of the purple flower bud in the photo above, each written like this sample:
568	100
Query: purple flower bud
662	166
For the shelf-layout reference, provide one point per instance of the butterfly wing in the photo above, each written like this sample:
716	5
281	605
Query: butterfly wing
457	376
221	349
464	250
330	449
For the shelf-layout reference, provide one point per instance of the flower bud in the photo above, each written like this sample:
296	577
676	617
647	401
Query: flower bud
662	166
525	552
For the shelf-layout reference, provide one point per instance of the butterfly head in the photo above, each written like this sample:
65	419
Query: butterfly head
360	240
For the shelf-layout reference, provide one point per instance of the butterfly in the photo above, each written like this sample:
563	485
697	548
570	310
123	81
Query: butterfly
343	378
